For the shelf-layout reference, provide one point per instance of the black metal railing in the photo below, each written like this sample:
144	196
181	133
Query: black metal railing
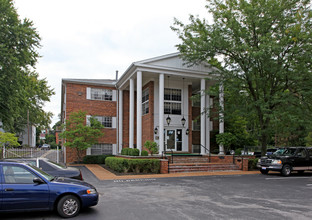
206	150
165	153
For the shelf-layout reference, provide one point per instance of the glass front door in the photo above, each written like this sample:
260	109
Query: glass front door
170	138
173	139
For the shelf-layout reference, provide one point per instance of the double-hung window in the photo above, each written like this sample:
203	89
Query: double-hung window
106	121
101	94
145	101
173	101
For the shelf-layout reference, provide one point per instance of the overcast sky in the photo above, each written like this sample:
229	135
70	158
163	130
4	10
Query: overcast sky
92	39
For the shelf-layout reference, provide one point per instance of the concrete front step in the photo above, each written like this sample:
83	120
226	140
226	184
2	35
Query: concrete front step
200	167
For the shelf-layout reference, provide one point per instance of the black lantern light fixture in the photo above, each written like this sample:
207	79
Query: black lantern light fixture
183	121
168	120
187	131
156	130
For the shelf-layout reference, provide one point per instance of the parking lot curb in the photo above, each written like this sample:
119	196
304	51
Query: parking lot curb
103	174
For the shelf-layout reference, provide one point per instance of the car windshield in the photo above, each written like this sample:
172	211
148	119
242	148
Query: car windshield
46	175
279	152
289	152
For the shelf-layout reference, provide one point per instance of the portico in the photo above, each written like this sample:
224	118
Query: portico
154	104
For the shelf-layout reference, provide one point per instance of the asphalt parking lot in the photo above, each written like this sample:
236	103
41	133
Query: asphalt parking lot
206	197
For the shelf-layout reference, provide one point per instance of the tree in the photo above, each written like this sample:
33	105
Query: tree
7	139
263	49
80	135
21	90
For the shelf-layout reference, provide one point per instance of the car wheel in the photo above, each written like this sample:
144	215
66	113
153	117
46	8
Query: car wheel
264	171
68	206
286	170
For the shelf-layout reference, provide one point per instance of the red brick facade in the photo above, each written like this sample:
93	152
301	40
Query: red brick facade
76	99
148	119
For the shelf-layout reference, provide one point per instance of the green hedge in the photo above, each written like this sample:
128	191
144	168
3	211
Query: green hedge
124	151
144	153
95	159
130	151
252	164
123	165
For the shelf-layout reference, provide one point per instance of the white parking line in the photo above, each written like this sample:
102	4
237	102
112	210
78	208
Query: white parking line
133	180
287	178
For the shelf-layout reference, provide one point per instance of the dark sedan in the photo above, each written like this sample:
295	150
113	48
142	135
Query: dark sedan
52	168
24	187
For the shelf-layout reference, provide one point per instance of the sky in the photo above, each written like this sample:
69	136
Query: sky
92	39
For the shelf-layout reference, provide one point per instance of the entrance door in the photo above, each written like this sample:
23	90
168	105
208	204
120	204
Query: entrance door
173	139
170	139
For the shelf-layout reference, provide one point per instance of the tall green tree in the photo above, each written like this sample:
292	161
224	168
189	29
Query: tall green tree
21	90
263	49
80	135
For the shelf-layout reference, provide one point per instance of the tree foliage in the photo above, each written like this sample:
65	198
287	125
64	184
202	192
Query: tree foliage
21	90
79	134
8	139
263	49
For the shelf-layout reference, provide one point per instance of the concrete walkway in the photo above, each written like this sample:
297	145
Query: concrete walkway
103	174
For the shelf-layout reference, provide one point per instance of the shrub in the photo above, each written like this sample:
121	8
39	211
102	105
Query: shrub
95	159
134	152
144	153
123	165
252	164
151	146
238	151
125	151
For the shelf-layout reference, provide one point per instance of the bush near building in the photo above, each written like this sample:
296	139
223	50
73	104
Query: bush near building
95	159
122	165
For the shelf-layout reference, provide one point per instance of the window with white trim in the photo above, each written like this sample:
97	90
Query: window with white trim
145	101
100	149
106	121
101	94
172	104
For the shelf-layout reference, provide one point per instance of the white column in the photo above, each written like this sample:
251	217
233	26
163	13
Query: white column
221	115
139	110
208	123
202	116
161	112
131	116
120	119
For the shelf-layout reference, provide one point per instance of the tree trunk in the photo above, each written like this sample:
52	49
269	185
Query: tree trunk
263	143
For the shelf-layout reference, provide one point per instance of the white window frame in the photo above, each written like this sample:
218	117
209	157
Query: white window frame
100	147
102	120
145	101
172	104
103	94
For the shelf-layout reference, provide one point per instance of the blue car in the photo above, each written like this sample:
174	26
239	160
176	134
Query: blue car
24	187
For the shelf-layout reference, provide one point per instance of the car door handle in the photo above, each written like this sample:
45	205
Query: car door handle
9	189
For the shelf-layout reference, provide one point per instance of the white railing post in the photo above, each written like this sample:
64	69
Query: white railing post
57	154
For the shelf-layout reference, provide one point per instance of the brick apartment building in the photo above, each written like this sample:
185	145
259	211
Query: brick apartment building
158	90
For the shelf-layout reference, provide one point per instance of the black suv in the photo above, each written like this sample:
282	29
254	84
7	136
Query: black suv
290	159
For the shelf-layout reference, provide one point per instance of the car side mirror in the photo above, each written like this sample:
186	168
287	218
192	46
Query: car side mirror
38	180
